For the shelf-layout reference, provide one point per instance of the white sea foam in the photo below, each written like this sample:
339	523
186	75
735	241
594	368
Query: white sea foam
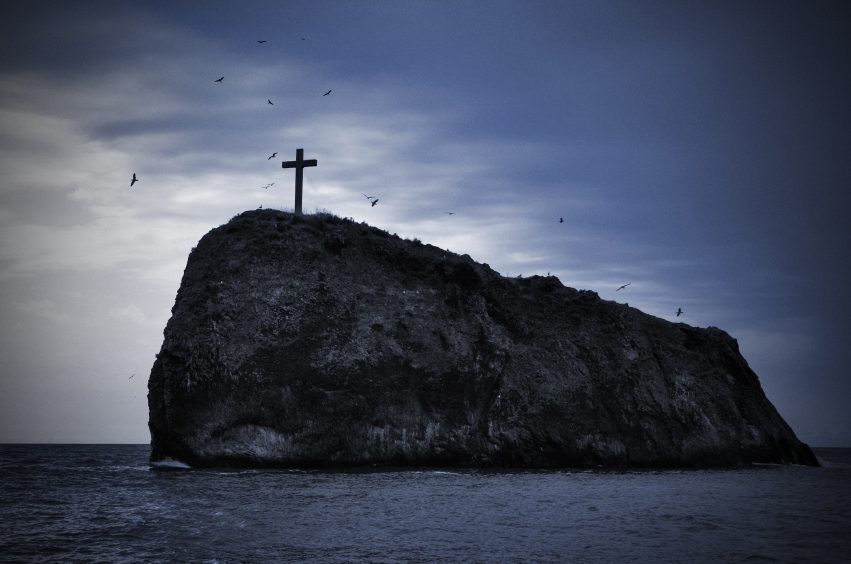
169	463
828	464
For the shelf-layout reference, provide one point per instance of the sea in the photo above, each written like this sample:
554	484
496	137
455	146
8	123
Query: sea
106	503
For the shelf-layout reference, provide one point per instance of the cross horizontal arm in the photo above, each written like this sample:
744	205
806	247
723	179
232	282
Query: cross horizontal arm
299	164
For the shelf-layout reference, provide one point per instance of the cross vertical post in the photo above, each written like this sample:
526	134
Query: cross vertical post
298	164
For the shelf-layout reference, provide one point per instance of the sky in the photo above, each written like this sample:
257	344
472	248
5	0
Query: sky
699	151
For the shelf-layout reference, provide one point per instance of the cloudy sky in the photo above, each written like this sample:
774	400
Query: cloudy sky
700	151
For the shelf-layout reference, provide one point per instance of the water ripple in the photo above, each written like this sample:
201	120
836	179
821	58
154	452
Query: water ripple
97	503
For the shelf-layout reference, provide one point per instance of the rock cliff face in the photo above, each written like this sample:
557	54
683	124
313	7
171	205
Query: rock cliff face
316	341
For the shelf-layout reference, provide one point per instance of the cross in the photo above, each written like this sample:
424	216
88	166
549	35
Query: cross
298	164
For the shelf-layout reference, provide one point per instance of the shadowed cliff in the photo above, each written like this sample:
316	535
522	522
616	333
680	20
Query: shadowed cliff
317	341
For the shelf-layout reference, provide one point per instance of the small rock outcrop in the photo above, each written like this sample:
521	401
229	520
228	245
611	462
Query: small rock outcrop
304	341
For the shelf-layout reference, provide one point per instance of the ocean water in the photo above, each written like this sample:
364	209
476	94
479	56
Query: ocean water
105	503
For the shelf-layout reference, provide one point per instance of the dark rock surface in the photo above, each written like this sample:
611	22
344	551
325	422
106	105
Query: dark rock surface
317	341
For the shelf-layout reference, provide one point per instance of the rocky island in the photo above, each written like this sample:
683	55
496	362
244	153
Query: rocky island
315	341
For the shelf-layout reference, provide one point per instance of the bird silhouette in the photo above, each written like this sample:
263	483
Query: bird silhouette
374	202
264	41
221	79
679	311
131	376
450	213
302	39
369	197
561	220
327	93
273	154
270	102
135	180
622	287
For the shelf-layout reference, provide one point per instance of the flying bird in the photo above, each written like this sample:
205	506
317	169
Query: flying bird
264	41
135	180
131	376
374	202
221	79
273	154
622	287
369	197
302	38
327	93
450	213
270	101
679	311
561	220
